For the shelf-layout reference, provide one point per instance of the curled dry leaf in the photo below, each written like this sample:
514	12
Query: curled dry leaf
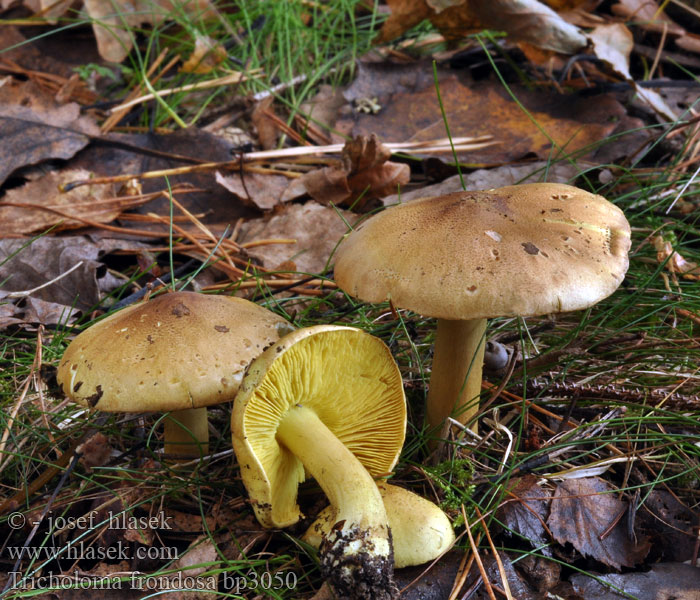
207	55
581	513
38	205
526	21
613	44
531	22
674	262
363	173
113	21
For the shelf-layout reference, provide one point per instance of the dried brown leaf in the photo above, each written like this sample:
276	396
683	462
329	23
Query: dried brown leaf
114	20
674	262
212	202
316	230
39	204
48	258
484	108
200	557
364	172
264	125
582	511
323	108
526	509
35	127
527	21
404	15
258	190
613	44
34	311
95	451
206	56
646	14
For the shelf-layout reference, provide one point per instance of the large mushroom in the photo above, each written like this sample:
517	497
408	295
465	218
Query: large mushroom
328	400
465	257
178	352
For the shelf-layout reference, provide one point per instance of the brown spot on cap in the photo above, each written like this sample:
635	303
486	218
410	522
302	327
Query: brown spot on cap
95	398
221	328
530	248
76	387
180	310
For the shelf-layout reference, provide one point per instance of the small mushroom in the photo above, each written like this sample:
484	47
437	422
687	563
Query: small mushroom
328	400
495	356
178	352
465	257
421	532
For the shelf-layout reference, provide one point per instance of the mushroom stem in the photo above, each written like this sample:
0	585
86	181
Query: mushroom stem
187	433
357	555
421	532
455	383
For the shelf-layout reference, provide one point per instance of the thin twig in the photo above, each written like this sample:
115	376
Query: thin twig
475	550
432	146
496	556
27	293
235	77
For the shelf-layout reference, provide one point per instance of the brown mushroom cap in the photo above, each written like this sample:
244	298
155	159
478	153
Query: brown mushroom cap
518	250
178	351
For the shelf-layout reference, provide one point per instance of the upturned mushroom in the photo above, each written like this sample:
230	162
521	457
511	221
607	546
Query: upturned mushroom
421	532
521	250
178	352
327	400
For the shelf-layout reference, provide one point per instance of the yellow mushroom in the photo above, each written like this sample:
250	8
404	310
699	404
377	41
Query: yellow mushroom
329	401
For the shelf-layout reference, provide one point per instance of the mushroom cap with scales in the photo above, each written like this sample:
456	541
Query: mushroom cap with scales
344	375
520	250
178	351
